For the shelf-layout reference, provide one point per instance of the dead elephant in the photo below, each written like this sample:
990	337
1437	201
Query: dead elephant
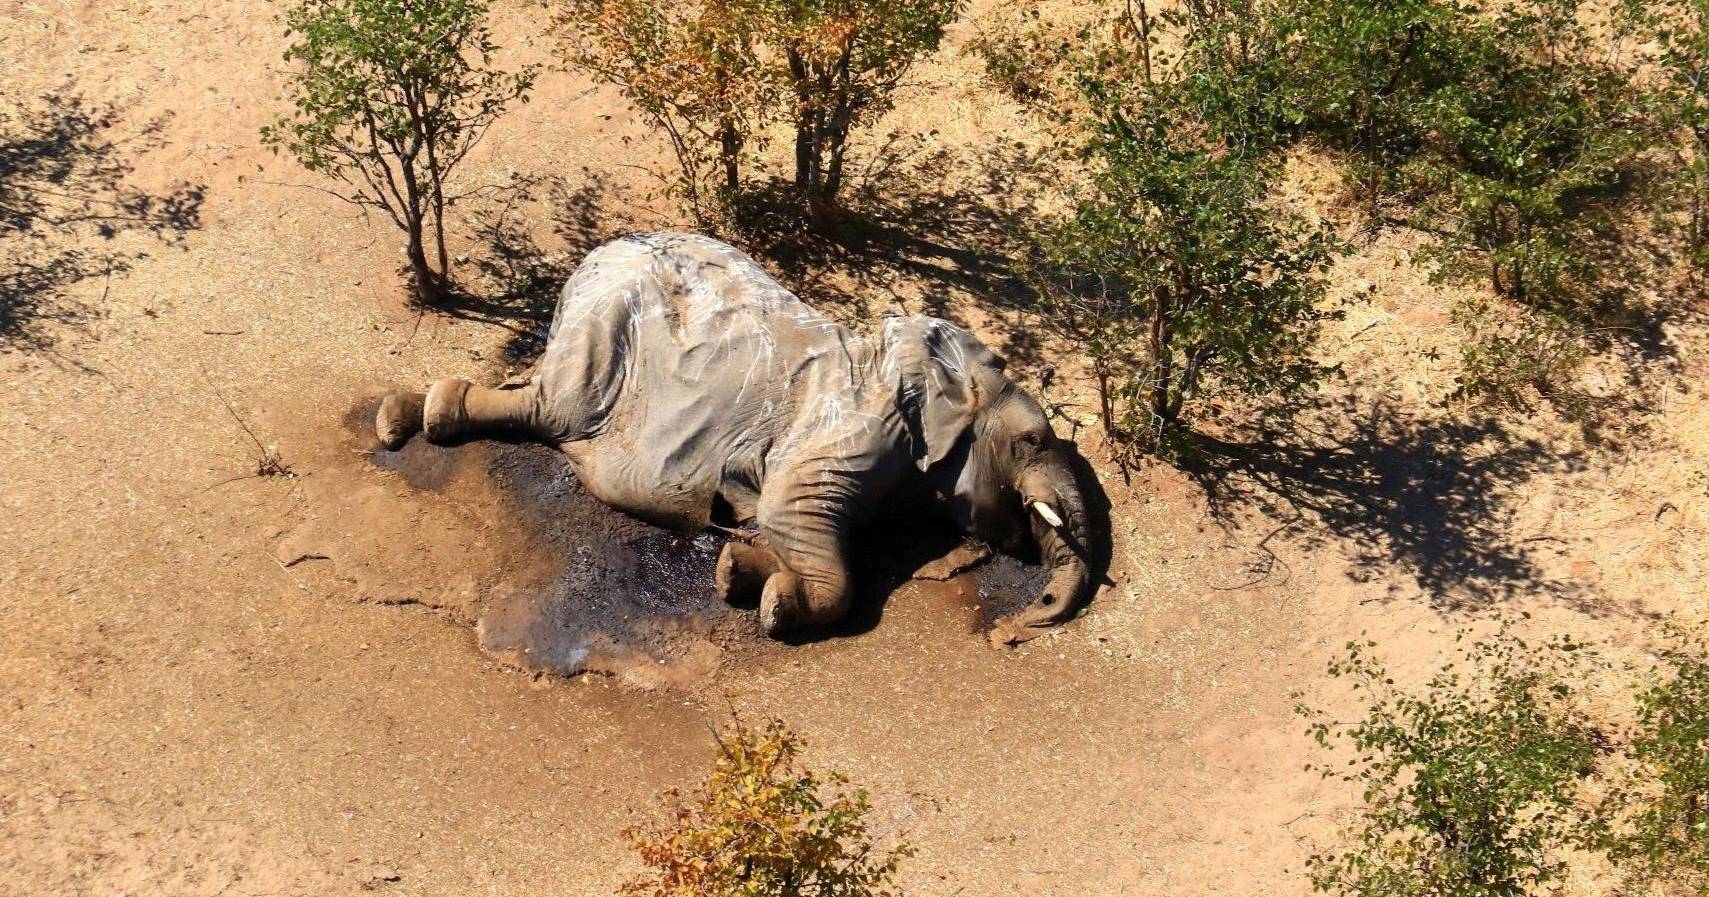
689	388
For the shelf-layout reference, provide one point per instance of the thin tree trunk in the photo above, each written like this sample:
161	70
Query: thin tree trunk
1495	260
1105	404
836	134
804	136
426	282
729	150
436	191
1142	25
1162	363
439	238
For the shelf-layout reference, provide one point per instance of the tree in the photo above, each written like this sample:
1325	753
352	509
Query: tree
762	826
1528	148
389	97
844	60
692	71
1362	73
714	74
1174	270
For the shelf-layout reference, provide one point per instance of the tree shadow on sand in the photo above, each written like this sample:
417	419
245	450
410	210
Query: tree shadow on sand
1435	497
511	281
63	205
921	225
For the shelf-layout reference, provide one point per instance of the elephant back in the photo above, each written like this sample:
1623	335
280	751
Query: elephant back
680	370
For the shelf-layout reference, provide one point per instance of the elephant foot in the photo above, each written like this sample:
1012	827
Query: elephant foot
399	418
780	604
442	413
742	571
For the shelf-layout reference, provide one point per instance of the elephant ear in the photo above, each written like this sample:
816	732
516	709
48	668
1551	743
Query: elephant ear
945	377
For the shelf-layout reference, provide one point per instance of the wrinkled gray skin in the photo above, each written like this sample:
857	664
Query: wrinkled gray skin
689	388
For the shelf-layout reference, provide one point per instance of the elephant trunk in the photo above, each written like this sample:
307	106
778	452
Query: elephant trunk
1057	511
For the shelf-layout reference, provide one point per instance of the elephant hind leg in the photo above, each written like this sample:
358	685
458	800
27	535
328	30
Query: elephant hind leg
453	410
399	418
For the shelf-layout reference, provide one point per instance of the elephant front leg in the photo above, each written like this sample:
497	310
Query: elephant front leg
743	568
808	538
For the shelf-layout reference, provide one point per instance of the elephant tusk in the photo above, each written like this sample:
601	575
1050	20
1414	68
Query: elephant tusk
1050	516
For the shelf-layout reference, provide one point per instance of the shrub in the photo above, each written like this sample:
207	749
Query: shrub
1363	75
1511	135
714	73
1469	783
1661	810
1513	355
762	826
1174	270
1680	31
389	97
844	60
1527	150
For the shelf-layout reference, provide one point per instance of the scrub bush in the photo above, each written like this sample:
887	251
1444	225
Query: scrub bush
1470	783
1175	271
763	826
1659	813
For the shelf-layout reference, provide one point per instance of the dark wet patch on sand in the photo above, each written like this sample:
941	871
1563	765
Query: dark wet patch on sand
595	590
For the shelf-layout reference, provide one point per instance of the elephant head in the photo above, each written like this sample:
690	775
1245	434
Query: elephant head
987	447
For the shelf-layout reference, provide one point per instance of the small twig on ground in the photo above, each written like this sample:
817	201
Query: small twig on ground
269	463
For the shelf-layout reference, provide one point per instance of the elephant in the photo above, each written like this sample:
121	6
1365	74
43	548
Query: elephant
688	388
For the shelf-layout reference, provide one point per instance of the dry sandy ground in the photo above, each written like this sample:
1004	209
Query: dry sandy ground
190	706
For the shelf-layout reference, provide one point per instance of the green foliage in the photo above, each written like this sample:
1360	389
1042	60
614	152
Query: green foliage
1174	271
1469	783
1527	147
844	60
1679	30
389	97
1021	55
714	74
762	826
1510	134
1660	831
1513	354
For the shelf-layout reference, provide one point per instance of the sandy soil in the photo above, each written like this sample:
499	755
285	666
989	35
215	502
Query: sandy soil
275	685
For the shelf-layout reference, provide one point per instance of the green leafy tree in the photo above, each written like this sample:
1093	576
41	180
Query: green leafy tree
714	74
1660	830
763	826
389	97
1363	75
1527	146
1468	783
1175	270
